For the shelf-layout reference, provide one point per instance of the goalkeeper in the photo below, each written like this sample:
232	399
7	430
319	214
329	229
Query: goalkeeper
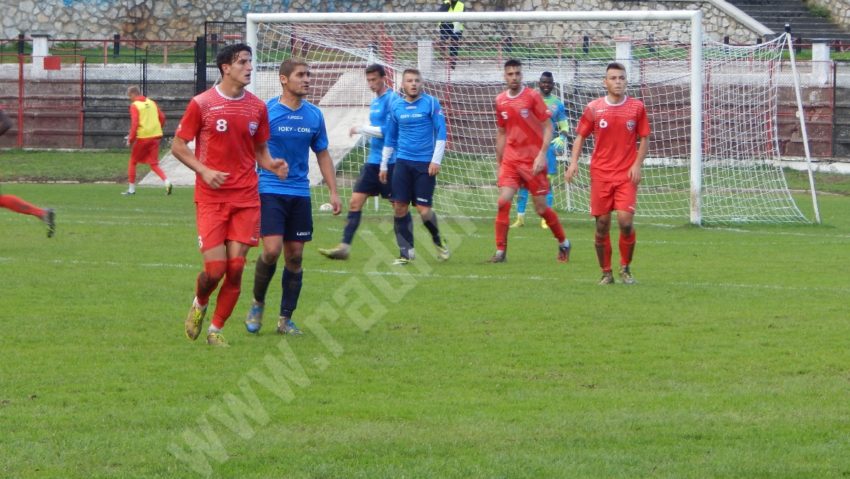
556	148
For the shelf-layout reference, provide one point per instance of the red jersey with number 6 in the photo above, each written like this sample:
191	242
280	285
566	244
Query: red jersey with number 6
615	130
226	131
521	116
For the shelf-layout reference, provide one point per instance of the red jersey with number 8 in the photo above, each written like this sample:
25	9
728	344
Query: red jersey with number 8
225	131
615	130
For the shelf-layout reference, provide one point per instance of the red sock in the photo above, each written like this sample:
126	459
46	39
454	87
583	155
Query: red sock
208	280
627	247
554	224
603	251
131	172
229	293
503	223
20	206
161	174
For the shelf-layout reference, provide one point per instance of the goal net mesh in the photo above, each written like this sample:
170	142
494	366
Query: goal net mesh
742	181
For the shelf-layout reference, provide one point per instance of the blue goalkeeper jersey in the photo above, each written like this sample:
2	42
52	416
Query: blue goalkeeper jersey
379	114
293	134
414	127
559	114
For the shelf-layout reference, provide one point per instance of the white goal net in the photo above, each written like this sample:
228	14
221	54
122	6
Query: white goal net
715	109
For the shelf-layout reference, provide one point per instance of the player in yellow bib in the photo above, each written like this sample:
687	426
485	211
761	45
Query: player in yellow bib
146	122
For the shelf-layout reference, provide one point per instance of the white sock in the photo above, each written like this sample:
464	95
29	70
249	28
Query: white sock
167	182
131	188
213	329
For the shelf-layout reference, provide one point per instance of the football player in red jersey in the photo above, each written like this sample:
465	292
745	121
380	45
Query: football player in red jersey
522	141
616	122
230	127
18	205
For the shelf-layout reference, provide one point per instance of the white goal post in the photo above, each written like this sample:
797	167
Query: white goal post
709	179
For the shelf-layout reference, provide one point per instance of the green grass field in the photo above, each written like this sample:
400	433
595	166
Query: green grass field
728	359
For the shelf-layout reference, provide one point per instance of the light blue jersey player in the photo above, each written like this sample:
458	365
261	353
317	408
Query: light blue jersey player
368	183
557	147
416	134
286	220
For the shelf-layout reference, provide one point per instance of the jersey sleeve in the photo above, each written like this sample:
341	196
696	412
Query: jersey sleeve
263	129
561	118
500	118
643	128
134	123
391	131
320	139
190	124
539	108
585	124
438	120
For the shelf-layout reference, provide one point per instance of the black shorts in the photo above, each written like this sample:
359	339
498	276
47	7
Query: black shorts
412	183
369	184
287	216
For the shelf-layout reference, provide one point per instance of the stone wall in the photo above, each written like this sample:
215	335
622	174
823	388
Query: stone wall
839	10
184	19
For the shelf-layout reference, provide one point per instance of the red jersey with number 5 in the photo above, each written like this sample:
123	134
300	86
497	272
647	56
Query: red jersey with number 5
521	116
226	131
615	130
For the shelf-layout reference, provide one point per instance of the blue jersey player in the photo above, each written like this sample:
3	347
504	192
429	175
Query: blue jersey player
557	147
416	134
368	183
286	220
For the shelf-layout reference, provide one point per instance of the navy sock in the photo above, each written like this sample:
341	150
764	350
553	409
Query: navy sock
262	277
291	283
404	234
351	226
431	224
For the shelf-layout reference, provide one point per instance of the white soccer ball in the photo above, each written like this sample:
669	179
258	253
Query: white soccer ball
326	207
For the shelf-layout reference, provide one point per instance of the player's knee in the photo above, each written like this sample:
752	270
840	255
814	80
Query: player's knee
293	263
214	271
503	203
626	229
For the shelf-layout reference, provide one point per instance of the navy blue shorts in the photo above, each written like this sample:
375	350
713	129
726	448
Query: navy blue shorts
369	184
287	216
412	183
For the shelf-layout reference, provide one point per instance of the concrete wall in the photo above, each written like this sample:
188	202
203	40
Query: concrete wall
839	10
184	19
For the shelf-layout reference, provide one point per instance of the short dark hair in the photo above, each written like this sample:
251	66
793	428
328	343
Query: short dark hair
229	54
615	66
375	68
547	75
288	66
412	71
513	62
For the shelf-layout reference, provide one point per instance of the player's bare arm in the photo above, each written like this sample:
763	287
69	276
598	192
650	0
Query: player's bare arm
500	145
211	177
634	171
540	161
278	166
571	170
326	167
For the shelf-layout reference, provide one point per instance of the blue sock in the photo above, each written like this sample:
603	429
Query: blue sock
549	197
521	200
263	273
431	224
351	226
404	234
291	283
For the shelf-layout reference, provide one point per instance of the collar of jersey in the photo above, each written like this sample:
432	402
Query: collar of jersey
217	90
625	97
517	95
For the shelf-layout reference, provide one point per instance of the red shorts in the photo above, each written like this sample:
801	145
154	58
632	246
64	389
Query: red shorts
514	175
220	222
606	196
145	150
